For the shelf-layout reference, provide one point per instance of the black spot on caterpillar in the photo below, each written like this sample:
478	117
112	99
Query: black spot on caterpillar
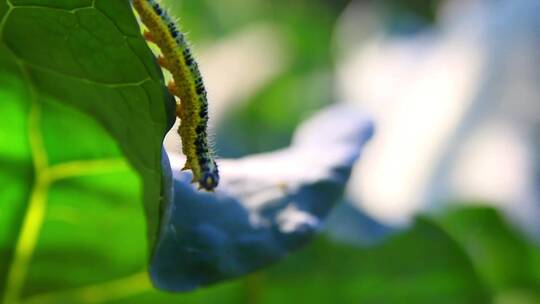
187	85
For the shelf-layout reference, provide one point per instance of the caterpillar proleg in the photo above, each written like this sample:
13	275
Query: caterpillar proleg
187	85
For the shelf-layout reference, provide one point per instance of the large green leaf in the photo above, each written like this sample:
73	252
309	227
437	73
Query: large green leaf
503	258
84	112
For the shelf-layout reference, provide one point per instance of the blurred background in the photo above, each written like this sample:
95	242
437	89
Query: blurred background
453	89
443	206
450	85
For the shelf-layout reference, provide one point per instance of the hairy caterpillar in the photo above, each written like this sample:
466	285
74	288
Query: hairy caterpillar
187	85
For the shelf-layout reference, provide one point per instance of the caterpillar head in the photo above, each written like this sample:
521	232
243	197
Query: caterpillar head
209	180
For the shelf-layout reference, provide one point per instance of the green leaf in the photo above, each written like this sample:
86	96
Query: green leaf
84	112
503	258
423	265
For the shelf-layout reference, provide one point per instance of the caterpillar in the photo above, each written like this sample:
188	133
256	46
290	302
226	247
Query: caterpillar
187	85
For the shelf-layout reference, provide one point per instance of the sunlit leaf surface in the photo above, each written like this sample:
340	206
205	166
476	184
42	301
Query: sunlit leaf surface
83	117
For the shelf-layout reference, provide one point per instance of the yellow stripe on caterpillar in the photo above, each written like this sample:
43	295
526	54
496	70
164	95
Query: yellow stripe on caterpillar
187	85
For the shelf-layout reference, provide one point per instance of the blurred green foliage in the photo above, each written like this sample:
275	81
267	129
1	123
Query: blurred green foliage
91	245
303	87
504	259
406	17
